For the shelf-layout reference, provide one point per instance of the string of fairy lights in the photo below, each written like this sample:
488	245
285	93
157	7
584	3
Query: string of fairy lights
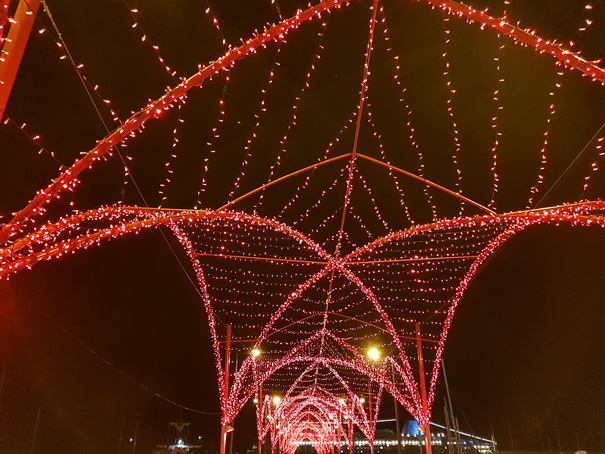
315	228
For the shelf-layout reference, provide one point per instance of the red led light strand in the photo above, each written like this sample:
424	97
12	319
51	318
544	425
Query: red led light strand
259	115
220	120
215	23
408	112
383	157
427	182
173	156
35	139
496	118
136	25
587	20
304	214
294	112
359	115
523	37
90	88
66	180
156	108
595	165
495	244
533	193
450	109
305	184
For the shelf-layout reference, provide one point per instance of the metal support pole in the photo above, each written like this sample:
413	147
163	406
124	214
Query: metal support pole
262	416
370	415
14	47
423	394
397	426
136	434
224	427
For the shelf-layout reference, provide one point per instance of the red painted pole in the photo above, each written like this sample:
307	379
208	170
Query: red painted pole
224	427
423	395
260	402
371	415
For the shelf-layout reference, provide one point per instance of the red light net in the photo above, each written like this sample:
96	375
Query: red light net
327	205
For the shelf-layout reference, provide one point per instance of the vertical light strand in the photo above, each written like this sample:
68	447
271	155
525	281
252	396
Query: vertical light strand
587	20
383	157
145	39
92	89
215	23
450	107
275	4
294	121
496	125
368	189
595	165
351	166
92	92
220	119
258	116
359	116
533	193
173	155
307	180
304	214
34	138
496	96
411	131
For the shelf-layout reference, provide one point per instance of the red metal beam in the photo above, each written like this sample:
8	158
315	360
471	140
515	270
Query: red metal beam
14	47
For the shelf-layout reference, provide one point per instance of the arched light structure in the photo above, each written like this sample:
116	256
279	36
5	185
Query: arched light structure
324	326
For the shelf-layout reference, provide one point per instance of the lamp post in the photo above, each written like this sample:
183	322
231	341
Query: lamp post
260	402
396	404
255	352
374	354
225	429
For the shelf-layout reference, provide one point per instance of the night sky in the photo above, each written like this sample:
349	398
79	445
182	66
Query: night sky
114	339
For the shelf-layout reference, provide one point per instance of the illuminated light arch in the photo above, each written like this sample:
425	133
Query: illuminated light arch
51	241
575	214
314	414
355	361
355	413
352	408
68	179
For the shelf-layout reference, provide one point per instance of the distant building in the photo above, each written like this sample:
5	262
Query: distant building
412	441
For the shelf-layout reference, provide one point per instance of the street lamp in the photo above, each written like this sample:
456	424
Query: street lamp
374	354
276	400
255	352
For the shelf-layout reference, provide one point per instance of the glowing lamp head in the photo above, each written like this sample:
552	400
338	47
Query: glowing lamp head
374	354
362	400
276	400
255	352
255	400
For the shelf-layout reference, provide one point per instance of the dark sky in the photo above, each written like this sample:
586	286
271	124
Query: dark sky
79	336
